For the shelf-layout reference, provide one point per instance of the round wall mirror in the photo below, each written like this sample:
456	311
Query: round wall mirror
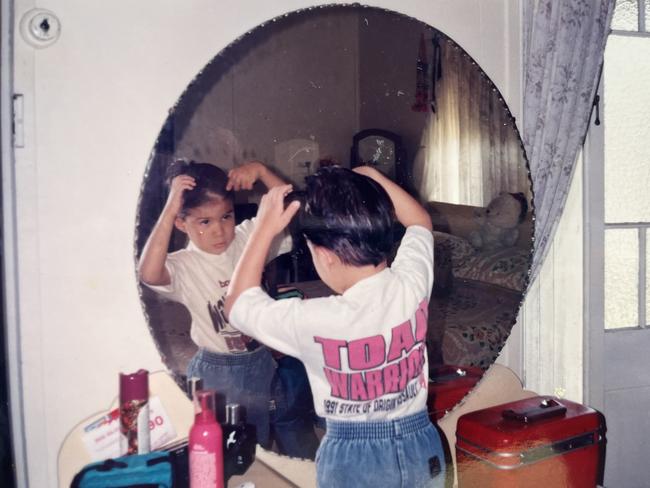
353	85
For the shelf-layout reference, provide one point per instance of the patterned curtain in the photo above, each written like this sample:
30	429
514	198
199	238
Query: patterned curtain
564	41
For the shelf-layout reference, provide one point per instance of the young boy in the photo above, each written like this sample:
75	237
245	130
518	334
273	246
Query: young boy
364	350
201	204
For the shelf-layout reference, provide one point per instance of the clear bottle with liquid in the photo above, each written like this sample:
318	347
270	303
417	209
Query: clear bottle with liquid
206	444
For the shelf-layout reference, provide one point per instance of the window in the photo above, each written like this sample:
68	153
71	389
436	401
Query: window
631	16
626	113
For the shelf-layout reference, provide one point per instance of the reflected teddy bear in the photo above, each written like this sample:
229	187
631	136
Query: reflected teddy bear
499	221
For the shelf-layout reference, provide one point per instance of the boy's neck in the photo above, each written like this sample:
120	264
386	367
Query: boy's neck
350	275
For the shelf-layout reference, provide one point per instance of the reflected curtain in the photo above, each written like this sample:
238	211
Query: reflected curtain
564	41
469	150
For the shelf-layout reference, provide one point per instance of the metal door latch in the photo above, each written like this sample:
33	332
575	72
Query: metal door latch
18	127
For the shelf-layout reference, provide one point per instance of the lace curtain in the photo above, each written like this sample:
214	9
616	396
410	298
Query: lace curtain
564	41
471	127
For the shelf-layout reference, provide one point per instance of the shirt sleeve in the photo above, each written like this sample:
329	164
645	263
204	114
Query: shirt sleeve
244	229
170	291
414	259
272	322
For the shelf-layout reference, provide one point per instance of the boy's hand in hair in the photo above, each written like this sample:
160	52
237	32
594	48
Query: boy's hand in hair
272	216
407	209
244	177
176	189
151	267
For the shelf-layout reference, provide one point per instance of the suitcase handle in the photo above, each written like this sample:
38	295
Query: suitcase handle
547	408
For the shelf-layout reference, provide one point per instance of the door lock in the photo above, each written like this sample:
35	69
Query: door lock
40	27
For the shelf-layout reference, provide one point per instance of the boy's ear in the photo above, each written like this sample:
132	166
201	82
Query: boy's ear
322	254
179	223
326	256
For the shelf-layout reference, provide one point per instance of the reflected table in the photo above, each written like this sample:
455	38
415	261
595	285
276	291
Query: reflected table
311	289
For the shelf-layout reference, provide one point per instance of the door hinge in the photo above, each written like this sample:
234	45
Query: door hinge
18	125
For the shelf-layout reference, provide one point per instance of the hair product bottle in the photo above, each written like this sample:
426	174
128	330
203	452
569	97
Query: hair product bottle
134	412
206	445
238	442
195	384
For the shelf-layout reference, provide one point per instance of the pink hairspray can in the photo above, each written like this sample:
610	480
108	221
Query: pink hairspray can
134	413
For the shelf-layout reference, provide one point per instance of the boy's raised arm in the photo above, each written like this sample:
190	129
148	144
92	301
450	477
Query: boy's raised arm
151	267
272	218
407	209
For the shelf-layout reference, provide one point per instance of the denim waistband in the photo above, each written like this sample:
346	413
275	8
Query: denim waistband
341	429
223	359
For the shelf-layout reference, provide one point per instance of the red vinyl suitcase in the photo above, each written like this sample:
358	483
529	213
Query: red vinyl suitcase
448	385
539	442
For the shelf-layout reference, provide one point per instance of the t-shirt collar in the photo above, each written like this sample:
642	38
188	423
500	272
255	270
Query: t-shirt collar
226	255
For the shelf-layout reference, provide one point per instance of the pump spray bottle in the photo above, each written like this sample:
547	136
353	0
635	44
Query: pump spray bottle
206	444
194	384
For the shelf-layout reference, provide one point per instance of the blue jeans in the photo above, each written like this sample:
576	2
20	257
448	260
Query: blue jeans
405	453
293	419
239	378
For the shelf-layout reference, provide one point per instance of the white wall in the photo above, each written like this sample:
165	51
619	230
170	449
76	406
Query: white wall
95	102
301	83
552	316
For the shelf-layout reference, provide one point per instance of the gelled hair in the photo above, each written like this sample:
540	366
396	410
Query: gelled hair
211	182
349	214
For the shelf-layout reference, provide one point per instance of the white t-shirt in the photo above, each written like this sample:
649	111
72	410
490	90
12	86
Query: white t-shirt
199	280
364	351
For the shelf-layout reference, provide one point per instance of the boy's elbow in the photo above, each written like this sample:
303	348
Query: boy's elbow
148	277
144	271
147	280
143	275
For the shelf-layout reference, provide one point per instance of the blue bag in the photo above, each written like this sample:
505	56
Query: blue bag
153	470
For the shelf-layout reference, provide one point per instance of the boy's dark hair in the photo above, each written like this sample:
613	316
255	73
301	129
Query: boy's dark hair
210	181
349	214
